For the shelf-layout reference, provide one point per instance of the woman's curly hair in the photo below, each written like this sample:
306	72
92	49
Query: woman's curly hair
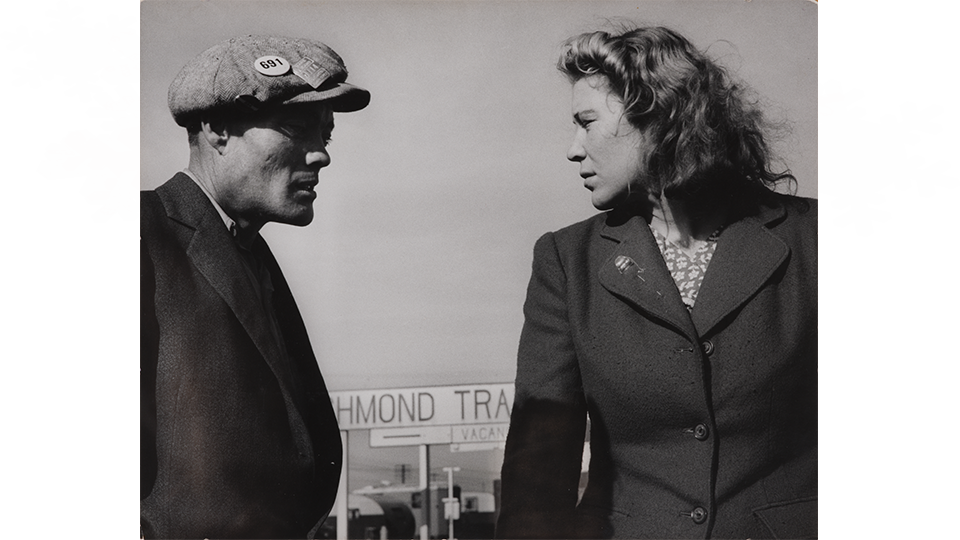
707	135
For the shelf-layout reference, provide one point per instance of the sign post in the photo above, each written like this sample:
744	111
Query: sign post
425	488
451	504
342	511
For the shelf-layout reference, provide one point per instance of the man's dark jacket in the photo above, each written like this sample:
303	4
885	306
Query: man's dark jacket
237	439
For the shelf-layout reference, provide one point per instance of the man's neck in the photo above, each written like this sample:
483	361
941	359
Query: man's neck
243	230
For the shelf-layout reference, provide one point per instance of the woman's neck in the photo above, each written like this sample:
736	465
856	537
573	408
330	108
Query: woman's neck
685	223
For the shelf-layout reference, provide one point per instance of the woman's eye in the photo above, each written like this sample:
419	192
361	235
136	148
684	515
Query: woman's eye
296	129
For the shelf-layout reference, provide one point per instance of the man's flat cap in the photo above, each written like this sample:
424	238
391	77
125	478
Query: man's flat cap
259	71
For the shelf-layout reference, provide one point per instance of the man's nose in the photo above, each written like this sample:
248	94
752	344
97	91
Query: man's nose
318	156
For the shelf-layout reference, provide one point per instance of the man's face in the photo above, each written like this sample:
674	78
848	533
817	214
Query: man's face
271	163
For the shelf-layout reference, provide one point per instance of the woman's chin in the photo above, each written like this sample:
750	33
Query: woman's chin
602	203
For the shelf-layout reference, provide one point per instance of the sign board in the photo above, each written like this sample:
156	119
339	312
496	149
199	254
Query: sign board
462	438
409	436
466	404
477	447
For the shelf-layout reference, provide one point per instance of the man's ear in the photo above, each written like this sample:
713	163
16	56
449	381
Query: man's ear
215	133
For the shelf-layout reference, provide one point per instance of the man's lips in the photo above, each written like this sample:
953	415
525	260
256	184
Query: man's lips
307	182
307	188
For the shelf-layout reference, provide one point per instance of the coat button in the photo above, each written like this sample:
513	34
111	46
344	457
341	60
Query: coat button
708	347
699	515
701	432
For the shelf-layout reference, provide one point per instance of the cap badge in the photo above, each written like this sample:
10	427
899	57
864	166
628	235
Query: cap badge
311	71
272	66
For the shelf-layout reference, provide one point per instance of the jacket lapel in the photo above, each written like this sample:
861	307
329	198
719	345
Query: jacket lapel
641	278
215	256
746	257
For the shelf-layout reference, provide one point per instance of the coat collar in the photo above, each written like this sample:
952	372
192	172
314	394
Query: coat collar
641	278
747	255
216	256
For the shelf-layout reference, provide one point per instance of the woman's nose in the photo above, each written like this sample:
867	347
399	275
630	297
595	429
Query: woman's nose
575	152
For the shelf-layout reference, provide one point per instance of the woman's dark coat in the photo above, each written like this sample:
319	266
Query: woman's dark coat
702	424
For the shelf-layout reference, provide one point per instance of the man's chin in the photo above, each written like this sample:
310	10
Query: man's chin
303	222
299	220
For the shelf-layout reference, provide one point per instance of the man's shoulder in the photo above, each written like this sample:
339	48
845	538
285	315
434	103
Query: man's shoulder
149	201
179	199
152	199
152	212
161	207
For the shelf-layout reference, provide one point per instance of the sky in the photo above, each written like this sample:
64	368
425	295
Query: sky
414	270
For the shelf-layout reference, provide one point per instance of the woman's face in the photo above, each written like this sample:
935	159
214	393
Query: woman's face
610	150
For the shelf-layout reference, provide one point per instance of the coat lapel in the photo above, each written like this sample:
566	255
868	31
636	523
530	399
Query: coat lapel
216	257
746	257
645	283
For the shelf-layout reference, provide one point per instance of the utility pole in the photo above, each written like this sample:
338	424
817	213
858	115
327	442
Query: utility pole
451	505
425	489
343	505
400	471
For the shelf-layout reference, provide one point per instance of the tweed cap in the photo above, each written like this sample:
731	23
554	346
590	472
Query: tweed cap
258	71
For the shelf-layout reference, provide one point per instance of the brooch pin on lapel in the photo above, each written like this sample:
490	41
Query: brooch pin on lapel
623	264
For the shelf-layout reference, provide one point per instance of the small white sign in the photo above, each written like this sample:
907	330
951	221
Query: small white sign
477	447
410	436
451	508
481	433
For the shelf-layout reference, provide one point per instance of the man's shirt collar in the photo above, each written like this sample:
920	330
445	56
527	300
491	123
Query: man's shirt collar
229	223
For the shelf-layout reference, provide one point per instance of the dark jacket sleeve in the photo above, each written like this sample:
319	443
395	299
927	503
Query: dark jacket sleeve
541	467
149	343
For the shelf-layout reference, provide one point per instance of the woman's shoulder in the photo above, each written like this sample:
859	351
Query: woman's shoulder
579	231
779	209
791	218
571	248
801	206
797	211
